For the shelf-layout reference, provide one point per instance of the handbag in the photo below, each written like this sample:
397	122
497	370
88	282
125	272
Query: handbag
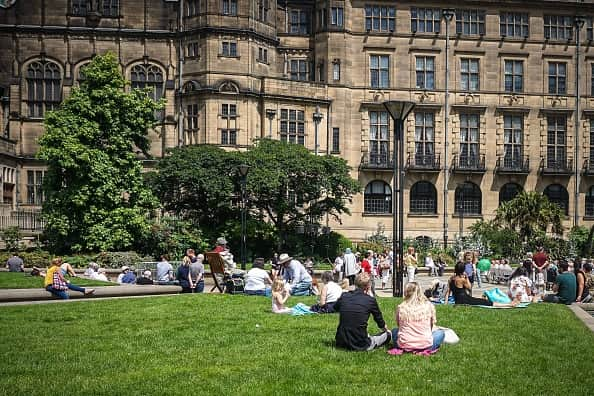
58	282
450	336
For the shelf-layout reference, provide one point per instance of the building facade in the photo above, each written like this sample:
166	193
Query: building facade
504	92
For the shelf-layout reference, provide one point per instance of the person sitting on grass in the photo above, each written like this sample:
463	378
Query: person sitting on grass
299	281
279	297
126	276
520	286
101	275
56	284
15	263
92	270
416	320
565	286
257	280
164	270
354	308
330	293
145	279
459	286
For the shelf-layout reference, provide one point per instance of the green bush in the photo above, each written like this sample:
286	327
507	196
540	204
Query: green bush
119	259
171	236
11	237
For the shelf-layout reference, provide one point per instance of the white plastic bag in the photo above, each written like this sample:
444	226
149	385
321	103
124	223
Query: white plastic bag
450	336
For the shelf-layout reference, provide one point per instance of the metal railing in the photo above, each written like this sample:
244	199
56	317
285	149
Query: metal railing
424	161
469	163
556	166
27	220
374	160
513	164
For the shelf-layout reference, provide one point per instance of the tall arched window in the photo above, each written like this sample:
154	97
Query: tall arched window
423	198
145	75
378	197
44	87
556	193
589	207
509	192
468	199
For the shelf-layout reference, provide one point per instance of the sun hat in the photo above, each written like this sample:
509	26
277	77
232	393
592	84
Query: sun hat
347	250
283	258
221	241
125	268
147	273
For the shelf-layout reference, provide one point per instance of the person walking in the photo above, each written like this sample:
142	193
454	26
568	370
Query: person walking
350	266
410	260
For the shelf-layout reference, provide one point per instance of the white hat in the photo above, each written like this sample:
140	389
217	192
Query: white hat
221	241
125	268
147	274
283	258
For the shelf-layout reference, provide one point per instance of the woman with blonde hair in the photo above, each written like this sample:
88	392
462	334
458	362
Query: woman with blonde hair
416	319
410	260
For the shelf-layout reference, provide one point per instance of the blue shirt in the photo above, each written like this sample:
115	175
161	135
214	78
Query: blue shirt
296	273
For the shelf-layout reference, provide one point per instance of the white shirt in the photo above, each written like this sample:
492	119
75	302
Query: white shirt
338	264
429	262
333	292
350	264
256	279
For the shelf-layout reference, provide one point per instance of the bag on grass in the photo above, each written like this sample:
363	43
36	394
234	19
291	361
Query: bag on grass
450	336
496	295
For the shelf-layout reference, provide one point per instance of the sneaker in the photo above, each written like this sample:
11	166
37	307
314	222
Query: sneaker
89	292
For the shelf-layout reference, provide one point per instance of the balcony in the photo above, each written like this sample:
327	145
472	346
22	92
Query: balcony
7	146
376	162
551	166
25	220
469	164
588	169
508	165
423	162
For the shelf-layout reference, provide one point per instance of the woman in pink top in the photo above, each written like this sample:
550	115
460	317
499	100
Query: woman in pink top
415	317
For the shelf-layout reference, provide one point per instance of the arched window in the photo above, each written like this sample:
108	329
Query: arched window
509	192
378	197
44	87
556	193
423	198
468	199
589	208
145	75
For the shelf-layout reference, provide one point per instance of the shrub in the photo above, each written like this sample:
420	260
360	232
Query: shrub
119	259
11	237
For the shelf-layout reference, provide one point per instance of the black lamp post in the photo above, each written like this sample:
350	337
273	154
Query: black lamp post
448	14
243	172
317	118
398	110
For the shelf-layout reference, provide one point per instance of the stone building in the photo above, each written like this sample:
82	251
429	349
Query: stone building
520	77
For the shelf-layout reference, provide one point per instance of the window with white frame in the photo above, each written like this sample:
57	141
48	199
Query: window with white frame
469	74
425	20
380	19
557	142
425	69
229	7
35	187
379	138
424	138
514	76
469	139
558	27
513	141
336	70
379	68
337	16
513	24
262	55
229	48
191	131
469	22
292	126
557	78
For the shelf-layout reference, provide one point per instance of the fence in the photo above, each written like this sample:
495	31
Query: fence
25	220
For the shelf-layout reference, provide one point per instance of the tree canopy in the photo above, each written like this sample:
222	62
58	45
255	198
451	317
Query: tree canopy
96	198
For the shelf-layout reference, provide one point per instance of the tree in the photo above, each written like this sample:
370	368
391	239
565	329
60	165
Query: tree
293	186
531	214
96	198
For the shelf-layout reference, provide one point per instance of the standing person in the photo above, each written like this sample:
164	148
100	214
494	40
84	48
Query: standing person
257	280
477	272
196	272
299	281
330	293
431	265
274	272
354	308
15	263
183	275
565	286
482	268
540	262
385	265
410	260
416	320
367	267
469	268
56	284
164	270
528	264
350	265
338	267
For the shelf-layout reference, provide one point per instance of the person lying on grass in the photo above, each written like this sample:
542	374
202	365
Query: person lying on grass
459	286
416	320
56	284
354	308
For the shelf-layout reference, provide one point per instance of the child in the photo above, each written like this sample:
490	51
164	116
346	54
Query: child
345	284
279	296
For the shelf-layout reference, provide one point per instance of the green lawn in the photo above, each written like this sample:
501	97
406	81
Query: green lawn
19	280
211	344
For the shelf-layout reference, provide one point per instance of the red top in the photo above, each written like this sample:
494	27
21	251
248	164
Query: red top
540	258
219	249
366	266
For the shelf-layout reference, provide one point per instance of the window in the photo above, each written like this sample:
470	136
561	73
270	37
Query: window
425	68
469	140
589	206
425	20
44	87
335	140
468	199
192	8
377	197
424	138
322	18
228	110
589	28
470	22
380	19
292	126
299	69
262	55
81	73
229	48
513	137
193	50
111	8
79	7
337	16
380	71
513	24
557	194
423	198
557	78
379	138
509	192
469	74
34	187
591	156
229	137
229	7
514	76
298	22
336	70
149	76
558	27
556	142
263	7
191	132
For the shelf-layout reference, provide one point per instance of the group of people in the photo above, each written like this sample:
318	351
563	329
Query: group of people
377	265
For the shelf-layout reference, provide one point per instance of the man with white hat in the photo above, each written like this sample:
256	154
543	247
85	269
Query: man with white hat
297	278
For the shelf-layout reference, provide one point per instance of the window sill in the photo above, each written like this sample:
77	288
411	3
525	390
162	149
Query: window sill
367	214
423	215
230	56
589	218
263	62
335	152
467	216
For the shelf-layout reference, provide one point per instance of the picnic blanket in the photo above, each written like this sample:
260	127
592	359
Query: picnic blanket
301	309
424	352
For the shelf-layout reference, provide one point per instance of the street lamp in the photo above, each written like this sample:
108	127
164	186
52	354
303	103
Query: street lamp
448	15
579	24
270	114
398	110
243	172
317	118
461	209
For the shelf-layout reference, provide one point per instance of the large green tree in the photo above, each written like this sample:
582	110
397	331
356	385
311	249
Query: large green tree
96	198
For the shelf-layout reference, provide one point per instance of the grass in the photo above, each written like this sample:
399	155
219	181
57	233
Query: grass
19	280
211	344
